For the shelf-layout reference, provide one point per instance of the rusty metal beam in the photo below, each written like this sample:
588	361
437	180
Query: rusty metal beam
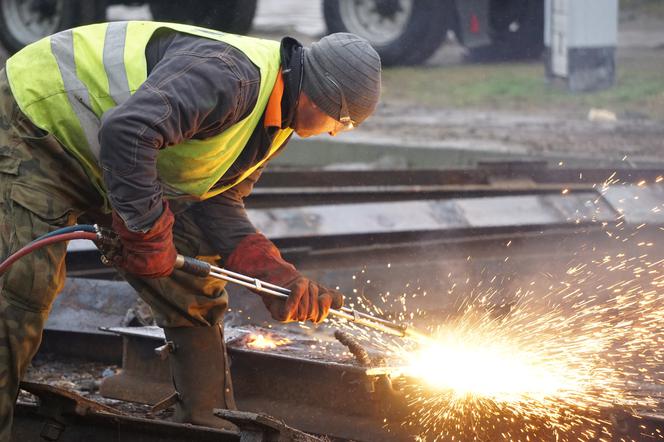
289	388
64	416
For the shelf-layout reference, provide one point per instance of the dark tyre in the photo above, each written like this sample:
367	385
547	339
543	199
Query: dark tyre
25	21
234	16
517	31
403	32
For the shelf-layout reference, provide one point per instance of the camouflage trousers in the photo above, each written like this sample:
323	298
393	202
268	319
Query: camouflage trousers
43	188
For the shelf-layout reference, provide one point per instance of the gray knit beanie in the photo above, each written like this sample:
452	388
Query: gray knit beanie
353	65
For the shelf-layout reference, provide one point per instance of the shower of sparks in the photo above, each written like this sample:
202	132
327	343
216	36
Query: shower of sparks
535	366
551	362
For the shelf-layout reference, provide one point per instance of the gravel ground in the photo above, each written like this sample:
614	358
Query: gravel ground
517	133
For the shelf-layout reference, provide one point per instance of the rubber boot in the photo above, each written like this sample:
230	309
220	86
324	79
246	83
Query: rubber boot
201	375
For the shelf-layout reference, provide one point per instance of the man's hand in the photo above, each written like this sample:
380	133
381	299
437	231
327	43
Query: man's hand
148	254
257	257
308	301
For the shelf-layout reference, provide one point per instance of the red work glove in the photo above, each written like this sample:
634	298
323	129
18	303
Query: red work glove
148	254
257	257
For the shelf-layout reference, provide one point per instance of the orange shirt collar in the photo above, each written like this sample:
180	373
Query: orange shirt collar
273	109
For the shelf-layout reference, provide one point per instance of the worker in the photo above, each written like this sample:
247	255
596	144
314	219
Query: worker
160	131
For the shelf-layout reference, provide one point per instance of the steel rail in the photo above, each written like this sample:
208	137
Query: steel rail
302	187
485	175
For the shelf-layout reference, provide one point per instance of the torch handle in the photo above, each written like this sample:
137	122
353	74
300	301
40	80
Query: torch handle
192	266
201	268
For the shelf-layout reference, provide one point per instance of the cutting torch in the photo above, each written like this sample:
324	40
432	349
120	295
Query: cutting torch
108	244
204	269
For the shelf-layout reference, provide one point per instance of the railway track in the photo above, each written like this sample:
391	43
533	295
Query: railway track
332	223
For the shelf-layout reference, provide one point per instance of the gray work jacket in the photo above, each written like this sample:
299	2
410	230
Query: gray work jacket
196	88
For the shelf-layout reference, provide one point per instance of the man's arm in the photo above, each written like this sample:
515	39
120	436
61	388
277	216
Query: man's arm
223	219
225	224
195	93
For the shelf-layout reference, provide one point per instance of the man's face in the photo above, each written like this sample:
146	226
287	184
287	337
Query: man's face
310	120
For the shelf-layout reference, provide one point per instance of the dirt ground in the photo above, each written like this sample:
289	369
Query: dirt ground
518	133
490	122
519	123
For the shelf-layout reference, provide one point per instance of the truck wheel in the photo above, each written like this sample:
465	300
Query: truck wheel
517	31
403	32
234	16
25	21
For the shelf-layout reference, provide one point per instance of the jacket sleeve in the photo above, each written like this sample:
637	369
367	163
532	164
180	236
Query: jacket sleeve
223	219
187	95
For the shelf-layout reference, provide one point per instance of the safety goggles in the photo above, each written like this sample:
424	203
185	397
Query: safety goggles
344	123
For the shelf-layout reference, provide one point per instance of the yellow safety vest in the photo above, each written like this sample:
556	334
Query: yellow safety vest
64	83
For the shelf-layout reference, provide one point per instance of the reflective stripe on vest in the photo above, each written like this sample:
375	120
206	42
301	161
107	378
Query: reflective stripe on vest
62	46
99	67
114	65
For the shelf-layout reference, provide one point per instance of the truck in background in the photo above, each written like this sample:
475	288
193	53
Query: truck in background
25	21
404	32
408	32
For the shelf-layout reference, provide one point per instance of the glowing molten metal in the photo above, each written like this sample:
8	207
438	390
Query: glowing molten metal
265	342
